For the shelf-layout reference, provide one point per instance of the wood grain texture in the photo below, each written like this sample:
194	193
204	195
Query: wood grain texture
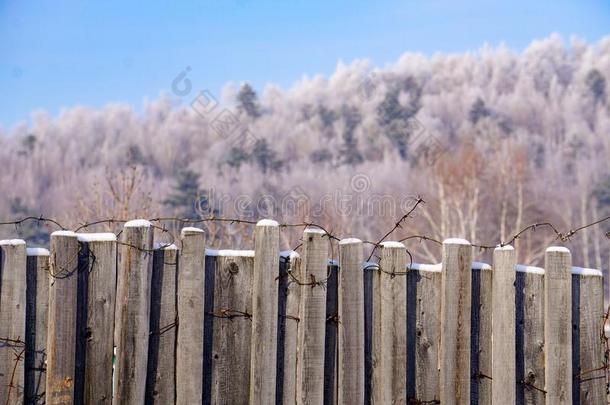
310	351
12	321
455	323
133	314
389	331
503	326
481	335
189	346
588	348
62	327
231	337
330	338
37	307
264	313
350	367
291	331
423	334
558	326
529	339
161	369
97	270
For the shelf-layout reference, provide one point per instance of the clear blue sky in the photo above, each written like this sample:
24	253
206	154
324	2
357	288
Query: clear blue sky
56	54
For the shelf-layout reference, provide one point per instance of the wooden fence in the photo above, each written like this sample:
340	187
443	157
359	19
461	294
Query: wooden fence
99	321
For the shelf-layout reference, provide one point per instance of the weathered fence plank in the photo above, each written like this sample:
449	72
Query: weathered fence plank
264	312
558	326
37	306
133	312
189	343
455	322
310	350
587	345
389	345
330	338
161	369
292	290
503	325
231	343
529	339
62	328
12	321
480	334
97	272
350	367
423	332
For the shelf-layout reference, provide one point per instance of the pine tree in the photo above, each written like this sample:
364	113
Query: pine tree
349	152
187	199
248	101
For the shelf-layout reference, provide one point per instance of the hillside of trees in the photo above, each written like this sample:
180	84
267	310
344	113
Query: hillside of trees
492	141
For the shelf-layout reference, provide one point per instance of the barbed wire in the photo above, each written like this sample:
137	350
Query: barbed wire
67	268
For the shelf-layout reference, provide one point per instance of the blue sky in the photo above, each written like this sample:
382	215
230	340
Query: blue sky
57	54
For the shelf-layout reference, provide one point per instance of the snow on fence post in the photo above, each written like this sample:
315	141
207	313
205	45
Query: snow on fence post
503	325
587	345
232	327
62	317
389	336
423	332
529	339
310	350
133	312
96	302
558	325
12	321
455	322
264	312
37	306
350	367
292	322
161	369
189	341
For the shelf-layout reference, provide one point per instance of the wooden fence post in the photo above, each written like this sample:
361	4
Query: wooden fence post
455	322
133	312
529	339
503	325
350	385
264	312
161	368
423	332
587	346
37	306
97	269
558	326
61	332
293	324
189	347
310	357
12	321
232	329
389	345
480	333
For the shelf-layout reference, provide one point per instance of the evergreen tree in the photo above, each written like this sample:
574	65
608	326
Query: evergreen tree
349	152
248	101
602	193
597	86
188	200
394	115
32	231
478	111
265	157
